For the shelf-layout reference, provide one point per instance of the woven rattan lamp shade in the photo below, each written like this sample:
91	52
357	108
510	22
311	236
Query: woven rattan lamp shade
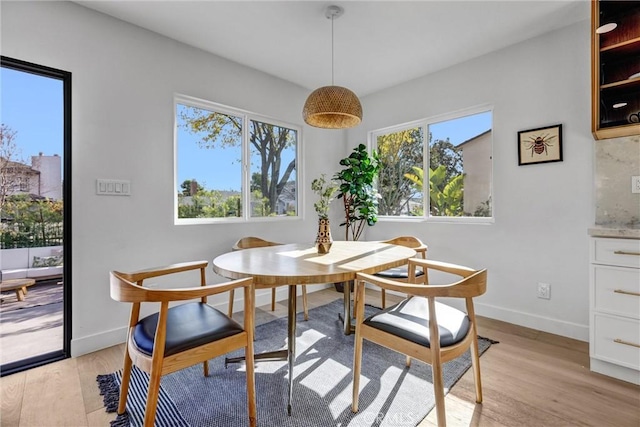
332	107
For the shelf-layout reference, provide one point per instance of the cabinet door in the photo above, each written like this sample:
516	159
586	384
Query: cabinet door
616	69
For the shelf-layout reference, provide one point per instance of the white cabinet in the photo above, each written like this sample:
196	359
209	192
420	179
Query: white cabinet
614	290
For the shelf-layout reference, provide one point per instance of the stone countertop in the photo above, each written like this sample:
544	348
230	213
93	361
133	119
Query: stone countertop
620	232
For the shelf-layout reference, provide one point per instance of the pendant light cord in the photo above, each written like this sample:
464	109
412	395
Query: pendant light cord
332	17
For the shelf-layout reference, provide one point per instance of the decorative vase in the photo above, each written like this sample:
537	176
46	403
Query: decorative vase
323	240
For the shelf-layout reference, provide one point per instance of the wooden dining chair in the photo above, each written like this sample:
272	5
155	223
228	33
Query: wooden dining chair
422	328
183	335
401	273
256	242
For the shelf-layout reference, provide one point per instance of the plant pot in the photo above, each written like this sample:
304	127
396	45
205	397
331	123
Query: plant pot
323	239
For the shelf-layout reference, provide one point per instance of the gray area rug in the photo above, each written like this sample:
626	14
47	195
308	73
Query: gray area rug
391	394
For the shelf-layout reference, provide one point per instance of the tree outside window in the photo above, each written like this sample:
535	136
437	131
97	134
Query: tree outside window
216	155
459	173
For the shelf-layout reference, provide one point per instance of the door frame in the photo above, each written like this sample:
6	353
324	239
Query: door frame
65	352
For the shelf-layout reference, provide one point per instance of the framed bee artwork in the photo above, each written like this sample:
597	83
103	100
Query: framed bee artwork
541	145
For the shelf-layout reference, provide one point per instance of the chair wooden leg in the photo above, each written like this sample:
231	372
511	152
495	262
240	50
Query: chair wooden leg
205	368
305	306
124	387
357	360
359	296
231	295
152	398
438	389
251	385
408	362
475	364
273	299
384	298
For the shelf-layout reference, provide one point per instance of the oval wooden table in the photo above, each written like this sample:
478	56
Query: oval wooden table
300	264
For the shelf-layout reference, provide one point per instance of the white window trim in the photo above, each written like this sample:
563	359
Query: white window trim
425	123
246	178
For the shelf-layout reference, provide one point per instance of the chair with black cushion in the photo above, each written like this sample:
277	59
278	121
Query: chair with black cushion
421	327
256	242
183	335
401	273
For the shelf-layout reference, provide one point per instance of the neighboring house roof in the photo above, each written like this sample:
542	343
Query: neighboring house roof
13	167
474	138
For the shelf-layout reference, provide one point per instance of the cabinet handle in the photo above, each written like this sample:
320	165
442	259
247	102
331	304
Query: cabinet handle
626	253
621	291
619	341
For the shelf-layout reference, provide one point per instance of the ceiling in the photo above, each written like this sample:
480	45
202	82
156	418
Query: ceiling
378	44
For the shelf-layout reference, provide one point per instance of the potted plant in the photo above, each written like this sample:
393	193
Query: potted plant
358	195
356	190
325	190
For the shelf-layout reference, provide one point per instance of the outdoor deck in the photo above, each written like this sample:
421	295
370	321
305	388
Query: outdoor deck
33	326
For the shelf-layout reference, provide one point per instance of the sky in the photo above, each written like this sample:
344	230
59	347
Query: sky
204	164
32	106
461	129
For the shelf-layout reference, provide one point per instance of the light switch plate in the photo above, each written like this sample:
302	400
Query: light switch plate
113	187
635	184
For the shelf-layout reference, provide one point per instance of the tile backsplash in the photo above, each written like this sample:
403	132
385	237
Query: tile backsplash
616	161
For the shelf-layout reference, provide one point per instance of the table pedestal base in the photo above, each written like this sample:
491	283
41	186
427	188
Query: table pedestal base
288	354
345	318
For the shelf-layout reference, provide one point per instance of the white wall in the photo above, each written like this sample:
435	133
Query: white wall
123	82
542	212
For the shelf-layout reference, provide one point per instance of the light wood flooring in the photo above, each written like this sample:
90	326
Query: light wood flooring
530	378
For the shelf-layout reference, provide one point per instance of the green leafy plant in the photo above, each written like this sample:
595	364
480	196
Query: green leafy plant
446	196
357	192
325	190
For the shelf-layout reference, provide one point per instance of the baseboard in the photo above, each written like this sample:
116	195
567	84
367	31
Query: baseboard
534	321
117	336
528	320
97	342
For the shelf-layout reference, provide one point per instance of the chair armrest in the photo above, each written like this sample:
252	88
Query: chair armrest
126	291
139	276
181	294
441	266
470	286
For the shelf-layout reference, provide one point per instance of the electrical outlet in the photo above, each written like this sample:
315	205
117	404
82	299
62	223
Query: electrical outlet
635	184
544	290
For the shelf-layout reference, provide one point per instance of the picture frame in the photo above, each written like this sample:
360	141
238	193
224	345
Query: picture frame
540	145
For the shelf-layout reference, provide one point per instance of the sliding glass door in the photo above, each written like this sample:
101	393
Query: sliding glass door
35	215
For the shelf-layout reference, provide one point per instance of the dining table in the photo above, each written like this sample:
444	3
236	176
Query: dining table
301	264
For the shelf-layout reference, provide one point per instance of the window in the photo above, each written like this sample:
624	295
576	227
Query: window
459	158
228	160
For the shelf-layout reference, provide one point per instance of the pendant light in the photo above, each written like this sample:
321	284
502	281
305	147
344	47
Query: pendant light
332	107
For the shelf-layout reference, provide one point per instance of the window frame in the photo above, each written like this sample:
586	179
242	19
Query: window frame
247	117
373	135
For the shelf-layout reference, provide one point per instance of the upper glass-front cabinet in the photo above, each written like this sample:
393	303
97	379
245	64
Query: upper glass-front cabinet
615	76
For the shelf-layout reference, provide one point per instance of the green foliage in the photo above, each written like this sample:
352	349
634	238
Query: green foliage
443	152
208	204
266	140
325	191
483	209
186	187
357	192
28	223
399	152
445	195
